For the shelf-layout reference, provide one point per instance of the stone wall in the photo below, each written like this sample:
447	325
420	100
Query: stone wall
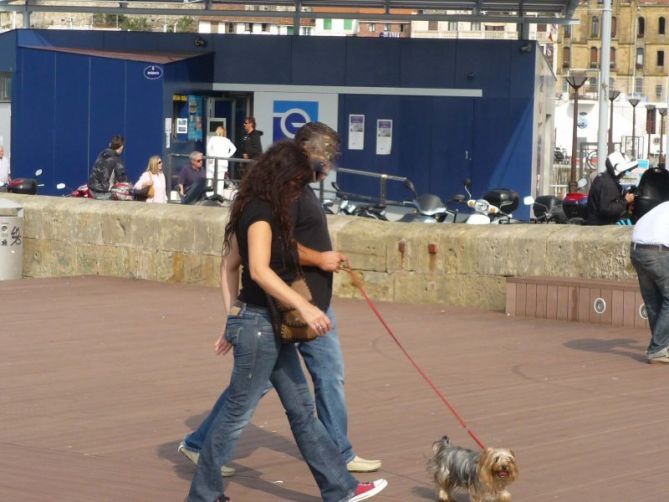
415	263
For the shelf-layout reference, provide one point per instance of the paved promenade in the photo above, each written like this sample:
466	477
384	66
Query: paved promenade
94	411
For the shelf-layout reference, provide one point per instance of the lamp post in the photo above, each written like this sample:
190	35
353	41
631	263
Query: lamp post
650	125
612	97
663	113
575	81
633	102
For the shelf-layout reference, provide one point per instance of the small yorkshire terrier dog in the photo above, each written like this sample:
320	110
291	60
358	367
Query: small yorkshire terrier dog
485	475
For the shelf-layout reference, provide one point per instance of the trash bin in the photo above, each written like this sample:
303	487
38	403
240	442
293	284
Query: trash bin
11	240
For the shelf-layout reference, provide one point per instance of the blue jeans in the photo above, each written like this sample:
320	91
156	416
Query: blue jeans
258	358
325	363
195	192
652	267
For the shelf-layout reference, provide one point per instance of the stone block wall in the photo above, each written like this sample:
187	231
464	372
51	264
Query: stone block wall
463	265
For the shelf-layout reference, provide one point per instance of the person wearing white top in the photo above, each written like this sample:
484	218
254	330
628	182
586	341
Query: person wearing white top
5	174
650	257
155	178
219	146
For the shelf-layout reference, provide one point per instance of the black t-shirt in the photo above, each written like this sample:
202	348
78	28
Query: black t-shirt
311	230
282	262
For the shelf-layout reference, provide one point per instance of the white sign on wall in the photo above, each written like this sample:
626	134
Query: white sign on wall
356	132
280	114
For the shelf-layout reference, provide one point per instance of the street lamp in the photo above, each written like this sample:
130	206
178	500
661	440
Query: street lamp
650	125
575	81
633	102
663	113
612	97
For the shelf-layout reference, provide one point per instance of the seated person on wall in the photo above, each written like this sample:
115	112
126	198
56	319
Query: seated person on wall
606	202
5	173
192	179
107	170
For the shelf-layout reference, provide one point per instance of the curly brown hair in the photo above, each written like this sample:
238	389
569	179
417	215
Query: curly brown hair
278	177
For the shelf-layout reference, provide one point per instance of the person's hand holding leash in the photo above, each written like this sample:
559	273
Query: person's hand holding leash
331	261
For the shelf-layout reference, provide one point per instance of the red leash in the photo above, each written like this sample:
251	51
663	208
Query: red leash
357	282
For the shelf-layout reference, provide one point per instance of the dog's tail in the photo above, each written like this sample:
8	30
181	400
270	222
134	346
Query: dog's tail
442	443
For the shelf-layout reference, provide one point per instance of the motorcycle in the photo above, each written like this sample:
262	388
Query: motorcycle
496	206
27	186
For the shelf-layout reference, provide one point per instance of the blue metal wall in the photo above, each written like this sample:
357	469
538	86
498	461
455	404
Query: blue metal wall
68	106
429	135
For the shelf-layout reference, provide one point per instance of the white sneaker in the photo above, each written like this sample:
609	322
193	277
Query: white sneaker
359	464
194	456
366	491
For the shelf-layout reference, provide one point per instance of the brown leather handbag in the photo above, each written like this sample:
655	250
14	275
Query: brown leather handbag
288	324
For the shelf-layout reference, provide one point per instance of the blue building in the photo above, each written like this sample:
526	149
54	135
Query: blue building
436	111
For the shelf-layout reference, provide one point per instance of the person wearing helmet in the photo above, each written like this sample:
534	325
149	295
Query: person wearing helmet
606	202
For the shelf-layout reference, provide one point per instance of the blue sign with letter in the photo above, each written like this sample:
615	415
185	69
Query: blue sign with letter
289	116
153	72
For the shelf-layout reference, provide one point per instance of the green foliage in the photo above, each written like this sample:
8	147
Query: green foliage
186	24
134	23
108	20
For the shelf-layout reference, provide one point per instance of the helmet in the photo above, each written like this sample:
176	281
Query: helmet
617	164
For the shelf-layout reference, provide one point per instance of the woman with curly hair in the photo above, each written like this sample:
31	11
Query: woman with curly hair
260	233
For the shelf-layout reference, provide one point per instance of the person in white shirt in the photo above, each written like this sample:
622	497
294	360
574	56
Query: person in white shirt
650	257
155	178
219	146
5	173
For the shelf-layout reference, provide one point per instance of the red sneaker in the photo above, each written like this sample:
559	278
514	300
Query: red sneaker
365	491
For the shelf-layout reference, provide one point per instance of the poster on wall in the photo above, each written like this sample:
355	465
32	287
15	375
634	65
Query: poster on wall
182	126
384	136
194	118
356	132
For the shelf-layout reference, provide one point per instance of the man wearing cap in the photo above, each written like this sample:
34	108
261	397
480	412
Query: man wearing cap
606	202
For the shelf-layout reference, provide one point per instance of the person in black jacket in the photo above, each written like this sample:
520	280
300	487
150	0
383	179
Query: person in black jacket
606	202
107	170
250	147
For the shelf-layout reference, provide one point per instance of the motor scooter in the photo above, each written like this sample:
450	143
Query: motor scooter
27	186
428	208
495	207
546	209
575	205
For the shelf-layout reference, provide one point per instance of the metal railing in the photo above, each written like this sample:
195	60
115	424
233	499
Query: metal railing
383	182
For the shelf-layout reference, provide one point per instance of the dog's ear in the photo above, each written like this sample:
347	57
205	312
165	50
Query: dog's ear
484	467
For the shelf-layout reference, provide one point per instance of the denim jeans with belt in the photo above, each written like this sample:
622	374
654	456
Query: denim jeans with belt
259	358
325	363
652	266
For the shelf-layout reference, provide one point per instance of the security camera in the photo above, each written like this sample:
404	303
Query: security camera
200	42
526	48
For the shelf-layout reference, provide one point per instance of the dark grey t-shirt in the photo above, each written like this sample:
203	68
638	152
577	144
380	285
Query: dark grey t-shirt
311	230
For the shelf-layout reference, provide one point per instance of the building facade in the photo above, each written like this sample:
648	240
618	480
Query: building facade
638	70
